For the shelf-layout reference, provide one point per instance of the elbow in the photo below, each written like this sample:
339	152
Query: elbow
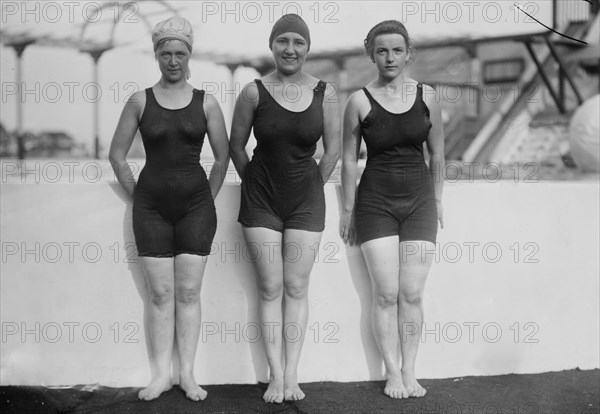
222	160
233	149
113	158
332	155
235	152
335	155
116	157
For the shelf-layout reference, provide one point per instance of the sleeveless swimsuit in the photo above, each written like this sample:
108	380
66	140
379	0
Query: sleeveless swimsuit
282	187
396	194
173	209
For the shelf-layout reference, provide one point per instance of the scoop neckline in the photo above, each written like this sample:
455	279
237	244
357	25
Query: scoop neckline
173	109
390	112
283	107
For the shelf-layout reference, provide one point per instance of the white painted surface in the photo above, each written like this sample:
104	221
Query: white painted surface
70	296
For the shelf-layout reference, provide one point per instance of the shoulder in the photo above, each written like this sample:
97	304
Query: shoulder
249	93
137	101
429	94
329	88
357	99
210	102
427	89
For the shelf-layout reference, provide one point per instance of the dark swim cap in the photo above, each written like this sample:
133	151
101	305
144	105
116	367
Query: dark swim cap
290	23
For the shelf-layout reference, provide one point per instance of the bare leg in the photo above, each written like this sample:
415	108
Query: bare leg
381	256
189	271
159	277
269	276
414	269
298	259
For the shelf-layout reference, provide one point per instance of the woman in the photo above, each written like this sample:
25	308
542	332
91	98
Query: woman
282	201
398	202
174	218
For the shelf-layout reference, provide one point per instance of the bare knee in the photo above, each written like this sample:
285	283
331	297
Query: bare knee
296	290
161	296
187	295
385	299
411	297
270	291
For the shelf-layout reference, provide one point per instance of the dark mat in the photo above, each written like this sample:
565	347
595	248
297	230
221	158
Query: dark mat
573	391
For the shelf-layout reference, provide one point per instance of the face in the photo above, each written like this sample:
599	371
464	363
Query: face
390	54
289	52
173	58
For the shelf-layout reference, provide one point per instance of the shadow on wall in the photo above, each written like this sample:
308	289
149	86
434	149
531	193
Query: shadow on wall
362	284
134	265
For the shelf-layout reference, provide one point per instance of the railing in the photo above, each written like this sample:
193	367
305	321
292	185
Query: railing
568	11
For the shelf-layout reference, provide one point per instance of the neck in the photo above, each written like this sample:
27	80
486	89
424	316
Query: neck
296	77
166	84
393	85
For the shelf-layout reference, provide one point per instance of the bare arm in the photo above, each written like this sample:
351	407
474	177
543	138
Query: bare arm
331	133
243	118
123	138
219	143
351	137
435	146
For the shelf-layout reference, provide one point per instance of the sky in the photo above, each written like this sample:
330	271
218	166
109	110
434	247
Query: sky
59	92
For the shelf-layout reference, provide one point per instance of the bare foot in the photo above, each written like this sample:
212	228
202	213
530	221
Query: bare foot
412	386
192	390
156	387
394	387
274	392
292	390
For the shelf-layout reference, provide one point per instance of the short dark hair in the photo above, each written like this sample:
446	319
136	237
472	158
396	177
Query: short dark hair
387	27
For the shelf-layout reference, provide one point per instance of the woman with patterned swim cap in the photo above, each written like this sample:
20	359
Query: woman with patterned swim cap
398	202
282	200
174	218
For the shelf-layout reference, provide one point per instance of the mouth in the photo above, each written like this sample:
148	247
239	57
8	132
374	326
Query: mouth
290	59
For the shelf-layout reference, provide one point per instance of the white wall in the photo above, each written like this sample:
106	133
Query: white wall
72	309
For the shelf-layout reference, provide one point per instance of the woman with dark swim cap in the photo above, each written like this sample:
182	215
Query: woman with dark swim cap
282	200
399	198
174	218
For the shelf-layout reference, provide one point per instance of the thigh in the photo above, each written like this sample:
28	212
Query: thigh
373	224
258	201
299	253
421	224
415	262
304	204
268	258
189	272
383	261
195	231
159	273
153	233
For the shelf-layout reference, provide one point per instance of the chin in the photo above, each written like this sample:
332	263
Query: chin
289	69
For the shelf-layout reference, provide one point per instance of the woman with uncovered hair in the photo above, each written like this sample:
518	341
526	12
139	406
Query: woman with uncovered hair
398	204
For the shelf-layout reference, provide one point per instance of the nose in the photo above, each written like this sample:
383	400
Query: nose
173	60
289	48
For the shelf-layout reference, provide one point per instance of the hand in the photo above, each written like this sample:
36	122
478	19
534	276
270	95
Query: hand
347	230
440	213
